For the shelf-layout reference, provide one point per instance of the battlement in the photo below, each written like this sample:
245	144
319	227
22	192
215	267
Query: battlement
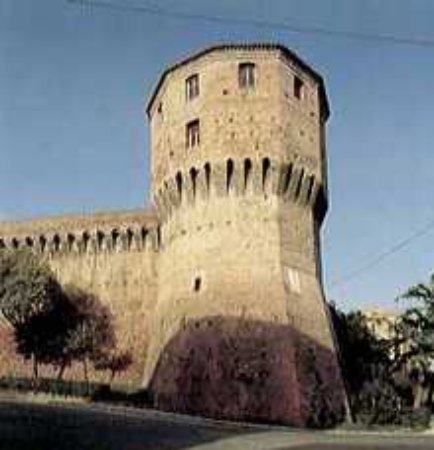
261	177
80	234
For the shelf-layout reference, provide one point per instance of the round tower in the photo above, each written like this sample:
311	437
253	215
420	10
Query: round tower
241	328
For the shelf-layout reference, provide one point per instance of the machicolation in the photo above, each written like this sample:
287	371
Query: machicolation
217	289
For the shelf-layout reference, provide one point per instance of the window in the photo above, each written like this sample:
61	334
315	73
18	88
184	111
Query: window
246	75
197	284
192	134
298	87
192	87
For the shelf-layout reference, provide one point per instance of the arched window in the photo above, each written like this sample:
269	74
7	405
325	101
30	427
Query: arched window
159	237
207	168
56	243
115	238
229	174
143	236
70	240
86	239
100	240
130	237
193	175
247	171
299	184
179	184
310	187
287	179
265	169
42	243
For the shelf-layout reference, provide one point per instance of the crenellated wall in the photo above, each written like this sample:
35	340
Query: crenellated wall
238	226
218	292
266	121
241	205
265	176
113	255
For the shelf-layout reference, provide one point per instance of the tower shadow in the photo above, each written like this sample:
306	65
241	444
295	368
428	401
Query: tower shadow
248	370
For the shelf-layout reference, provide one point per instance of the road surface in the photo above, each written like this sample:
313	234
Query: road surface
34	426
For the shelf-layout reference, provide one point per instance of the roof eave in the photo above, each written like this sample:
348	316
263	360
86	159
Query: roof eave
267	46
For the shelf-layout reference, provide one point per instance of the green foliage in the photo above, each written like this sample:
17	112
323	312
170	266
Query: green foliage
114	361
28	287
29	299
51	386
90	332
368	370
53	325
420	418
415	331
99	392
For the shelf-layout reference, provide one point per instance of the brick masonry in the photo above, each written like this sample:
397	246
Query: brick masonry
218	291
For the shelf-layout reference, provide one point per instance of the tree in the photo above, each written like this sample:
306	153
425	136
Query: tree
29	295
28	287
91	334
416	340
115	362
366	366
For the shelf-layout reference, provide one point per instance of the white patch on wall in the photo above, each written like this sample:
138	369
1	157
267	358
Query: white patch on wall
292	279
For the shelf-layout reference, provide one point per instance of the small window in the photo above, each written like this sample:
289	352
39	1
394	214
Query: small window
192	134
160	108
246	75
298	87
192	87
197	284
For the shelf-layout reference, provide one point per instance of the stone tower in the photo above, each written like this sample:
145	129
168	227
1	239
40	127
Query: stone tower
240	329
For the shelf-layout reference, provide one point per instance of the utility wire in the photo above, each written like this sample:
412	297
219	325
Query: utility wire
150	9
376	260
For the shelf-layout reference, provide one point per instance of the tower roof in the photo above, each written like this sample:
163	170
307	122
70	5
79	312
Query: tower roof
291	55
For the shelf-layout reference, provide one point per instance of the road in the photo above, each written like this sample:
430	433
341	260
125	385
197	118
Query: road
33	426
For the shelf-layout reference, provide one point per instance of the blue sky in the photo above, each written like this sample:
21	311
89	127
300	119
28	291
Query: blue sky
73	135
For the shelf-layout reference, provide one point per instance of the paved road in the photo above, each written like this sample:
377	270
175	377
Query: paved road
29	426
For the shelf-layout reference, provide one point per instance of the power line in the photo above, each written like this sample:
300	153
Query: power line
376	260
150	9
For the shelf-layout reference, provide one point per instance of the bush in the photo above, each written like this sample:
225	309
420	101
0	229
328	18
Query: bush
420	418
50	386
139	398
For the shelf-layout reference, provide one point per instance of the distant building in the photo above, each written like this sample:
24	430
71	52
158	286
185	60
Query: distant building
381	322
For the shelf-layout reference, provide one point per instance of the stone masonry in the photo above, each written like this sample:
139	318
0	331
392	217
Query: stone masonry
218	291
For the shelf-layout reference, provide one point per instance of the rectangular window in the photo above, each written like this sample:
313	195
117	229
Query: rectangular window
246	75
193	134
298	87
192	87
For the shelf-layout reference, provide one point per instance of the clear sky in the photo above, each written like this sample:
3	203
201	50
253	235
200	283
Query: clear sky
73	136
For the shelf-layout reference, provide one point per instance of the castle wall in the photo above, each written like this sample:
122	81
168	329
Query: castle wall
240	329
235	240
220	289
112	256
